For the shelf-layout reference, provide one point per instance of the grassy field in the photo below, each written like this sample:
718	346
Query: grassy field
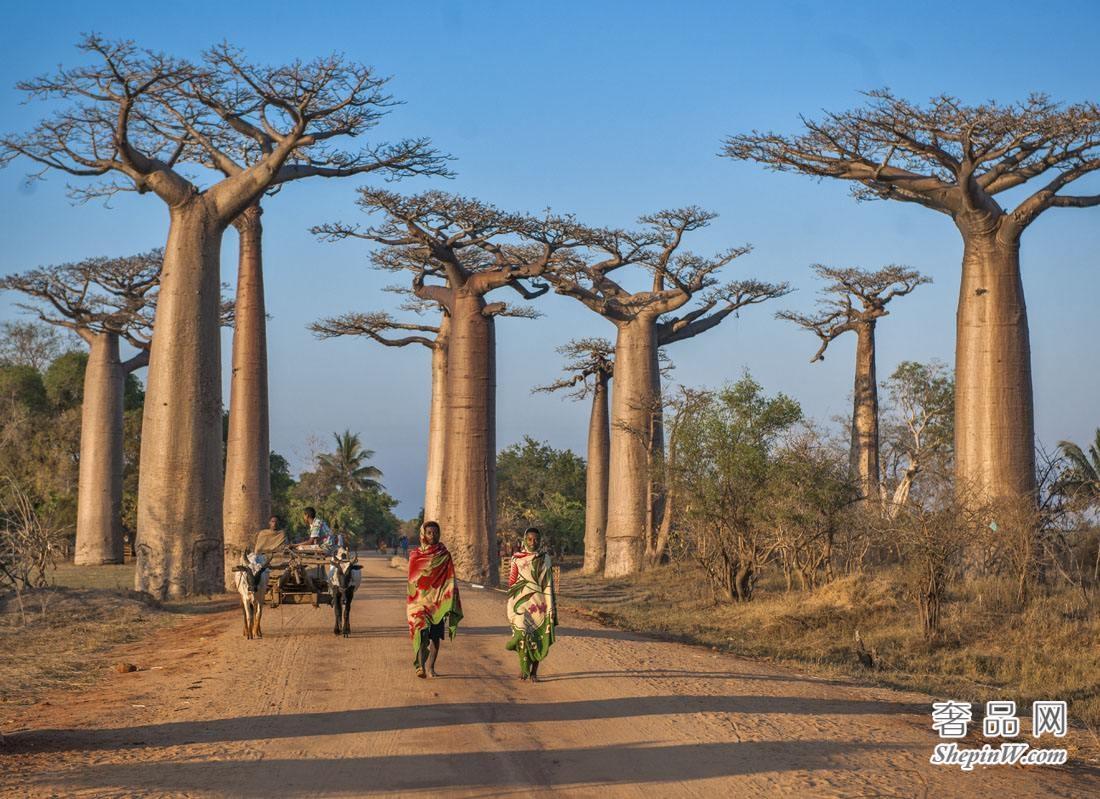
62	636
989	648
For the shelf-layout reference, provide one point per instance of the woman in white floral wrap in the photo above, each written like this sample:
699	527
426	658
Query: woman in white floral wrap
532	609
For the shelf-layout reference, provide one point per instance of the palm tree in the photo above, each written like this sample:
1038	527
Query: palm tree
346	469
1081	479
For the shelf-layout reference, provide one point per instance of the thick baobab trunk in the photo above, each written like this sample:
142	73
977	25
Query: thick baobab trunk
994	416
99	495
863	457
179	550
595	505
632	406
247	502
469	483
437	425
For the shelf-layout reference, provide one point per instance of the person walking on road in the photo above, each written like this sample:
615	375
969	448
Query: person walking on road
433	603
532	609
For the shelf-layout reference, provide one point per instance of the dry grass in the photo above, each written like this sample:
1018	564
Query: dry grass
989	648
70	629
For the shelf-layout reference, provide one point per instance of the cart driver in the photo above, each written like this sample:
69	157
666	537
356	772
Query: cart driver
319	531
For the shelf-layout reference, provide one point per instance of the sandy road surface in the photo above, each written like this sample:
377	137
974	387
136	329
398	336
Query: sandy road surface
302	713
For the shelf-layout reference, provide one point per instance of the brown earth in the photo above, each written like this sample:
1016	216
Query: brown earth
303	713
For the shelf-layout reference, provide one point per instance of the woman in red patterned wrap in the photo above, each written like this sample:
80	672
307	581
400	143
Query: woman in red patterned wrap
433	602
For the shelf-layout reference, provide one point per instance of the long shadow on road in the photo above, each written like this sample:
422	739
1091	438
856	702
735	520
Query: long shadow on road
504	769
444	715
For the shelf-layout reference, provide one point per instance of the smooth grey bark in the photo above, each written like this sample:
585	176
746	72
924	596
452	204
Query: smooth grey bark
468	514
99	493
864	453
633	405
596	477
247	497
437	425
994	413
179	551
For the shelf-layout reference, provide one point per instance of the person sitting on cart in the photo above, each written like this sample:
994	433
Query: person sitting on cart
335	539
318	530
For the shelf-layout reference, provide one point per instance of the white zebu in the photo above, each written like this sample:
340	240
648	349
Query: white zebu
344	575
251	580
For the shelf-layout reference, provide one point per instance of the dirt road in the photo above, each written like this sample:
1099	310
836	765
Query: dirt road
302	713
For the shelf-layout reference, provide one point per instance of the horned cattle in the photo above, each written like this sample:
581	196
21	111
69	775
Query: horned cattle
344	576
250	577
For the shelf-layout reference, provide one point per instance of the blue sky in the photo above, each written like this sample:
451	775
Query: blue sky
608	110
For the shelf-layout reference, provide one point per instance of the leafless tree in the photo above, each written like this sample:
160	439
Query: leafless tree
590	365
120	118
958	159
645	321
29	343
104	301
458	251
932	540
854	301
29	543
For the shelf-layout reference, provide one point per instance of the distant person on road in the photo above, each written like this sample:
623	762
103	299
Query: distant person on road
404	545
532	607
433	602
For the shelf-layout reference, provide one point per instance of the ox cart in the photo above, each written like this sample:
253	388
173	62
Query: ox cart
296	576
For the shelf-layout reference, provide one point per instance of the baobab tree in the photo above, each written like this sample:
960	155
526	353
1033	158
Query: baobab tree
473	248
221	143
643	324
115	119
386	330
104	301
956	159
854	302
590	364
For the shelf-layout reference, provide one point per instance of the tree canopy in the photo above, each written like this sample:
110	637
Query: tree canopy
541	486
946	155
